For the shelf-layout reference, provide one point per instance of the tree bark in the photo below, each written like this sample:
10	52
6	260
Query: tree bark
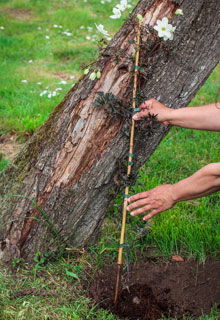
68	166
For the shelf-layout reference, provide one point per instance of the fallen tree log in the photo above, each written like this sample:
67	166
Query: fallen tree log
68	166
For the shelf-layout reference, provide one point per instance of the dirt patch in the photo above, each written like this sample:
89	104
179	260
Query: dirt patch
9	146
18	14
156	289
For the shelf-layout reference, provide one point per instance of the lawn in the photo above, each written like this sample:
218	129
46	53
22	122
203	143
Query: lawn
44	48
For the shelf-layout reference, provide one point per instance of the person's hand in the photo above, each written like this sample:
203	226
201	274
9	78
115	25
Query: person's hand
158	200
154	107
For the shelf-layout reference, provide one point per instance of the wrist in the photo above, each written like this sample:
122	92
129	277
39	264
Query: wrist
170	116
167	117
175	193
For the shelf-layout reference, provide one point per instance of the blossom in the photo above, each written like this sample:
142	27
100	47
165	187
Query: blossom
117	13
164	29
24	81
2	28
100	28
62	82
123	5
179	12
47	37
43	93
67	33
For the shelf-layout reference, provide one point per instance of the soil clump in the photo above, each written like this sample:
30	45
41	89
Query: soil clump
154	290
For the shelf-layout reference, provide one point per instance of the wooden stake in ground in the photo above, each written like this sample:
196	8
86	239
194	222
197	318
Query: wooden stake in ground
130	159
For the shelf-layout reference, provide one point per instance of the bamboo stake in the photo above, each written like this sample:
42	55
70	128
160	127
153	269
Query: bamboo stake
120	251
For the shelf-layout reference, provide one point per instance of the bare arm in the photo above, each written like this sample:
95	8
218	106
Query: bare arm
204	118
164	197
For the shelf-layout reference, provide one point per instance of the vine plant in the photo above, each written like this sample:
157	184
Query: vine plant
117	107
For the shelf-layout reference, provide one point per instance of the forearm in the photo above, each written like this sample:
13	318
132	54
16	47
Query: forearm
203	182
203	118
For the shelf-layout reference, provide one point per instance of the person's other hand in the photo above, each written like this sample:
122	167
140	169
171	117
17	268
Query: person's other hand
158	200
154	107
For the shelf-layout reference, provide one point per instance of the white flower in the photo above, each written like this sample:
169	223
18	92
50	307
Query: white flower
117	13
81	27
88	38
100	27
47	37
55	26
164	29
24	81
43	93
72	77
63	82
49	95
92	76
58	89
39	83
30	61
39	28
123	5
67	33
2	28
179	12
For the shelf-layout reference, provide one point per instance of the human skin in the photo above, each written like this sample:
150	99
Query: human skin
205	181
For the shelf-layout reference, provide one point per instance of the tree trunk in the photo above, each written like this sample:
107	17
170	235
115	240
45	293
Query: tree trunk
68	166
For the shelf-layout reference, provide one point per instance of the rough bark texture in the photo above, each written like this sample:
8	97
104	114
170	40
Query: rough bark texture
68	166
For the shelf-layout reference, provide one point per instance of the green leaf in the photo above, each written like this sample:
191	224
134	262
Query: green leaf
71	274
139	16
86	71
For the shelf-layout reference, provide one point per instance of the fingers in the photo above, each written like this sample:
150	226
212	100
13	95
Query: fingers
144	107
151	215
138	196
137	204
141	114
141	210
147	104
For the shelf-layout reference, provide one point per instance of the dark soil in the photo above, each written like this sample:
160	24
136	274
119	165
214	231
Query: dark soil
157	289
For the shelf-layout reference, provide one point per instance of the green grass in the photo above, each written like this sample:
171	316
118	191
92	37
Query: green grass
51	291
191	229
61	57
